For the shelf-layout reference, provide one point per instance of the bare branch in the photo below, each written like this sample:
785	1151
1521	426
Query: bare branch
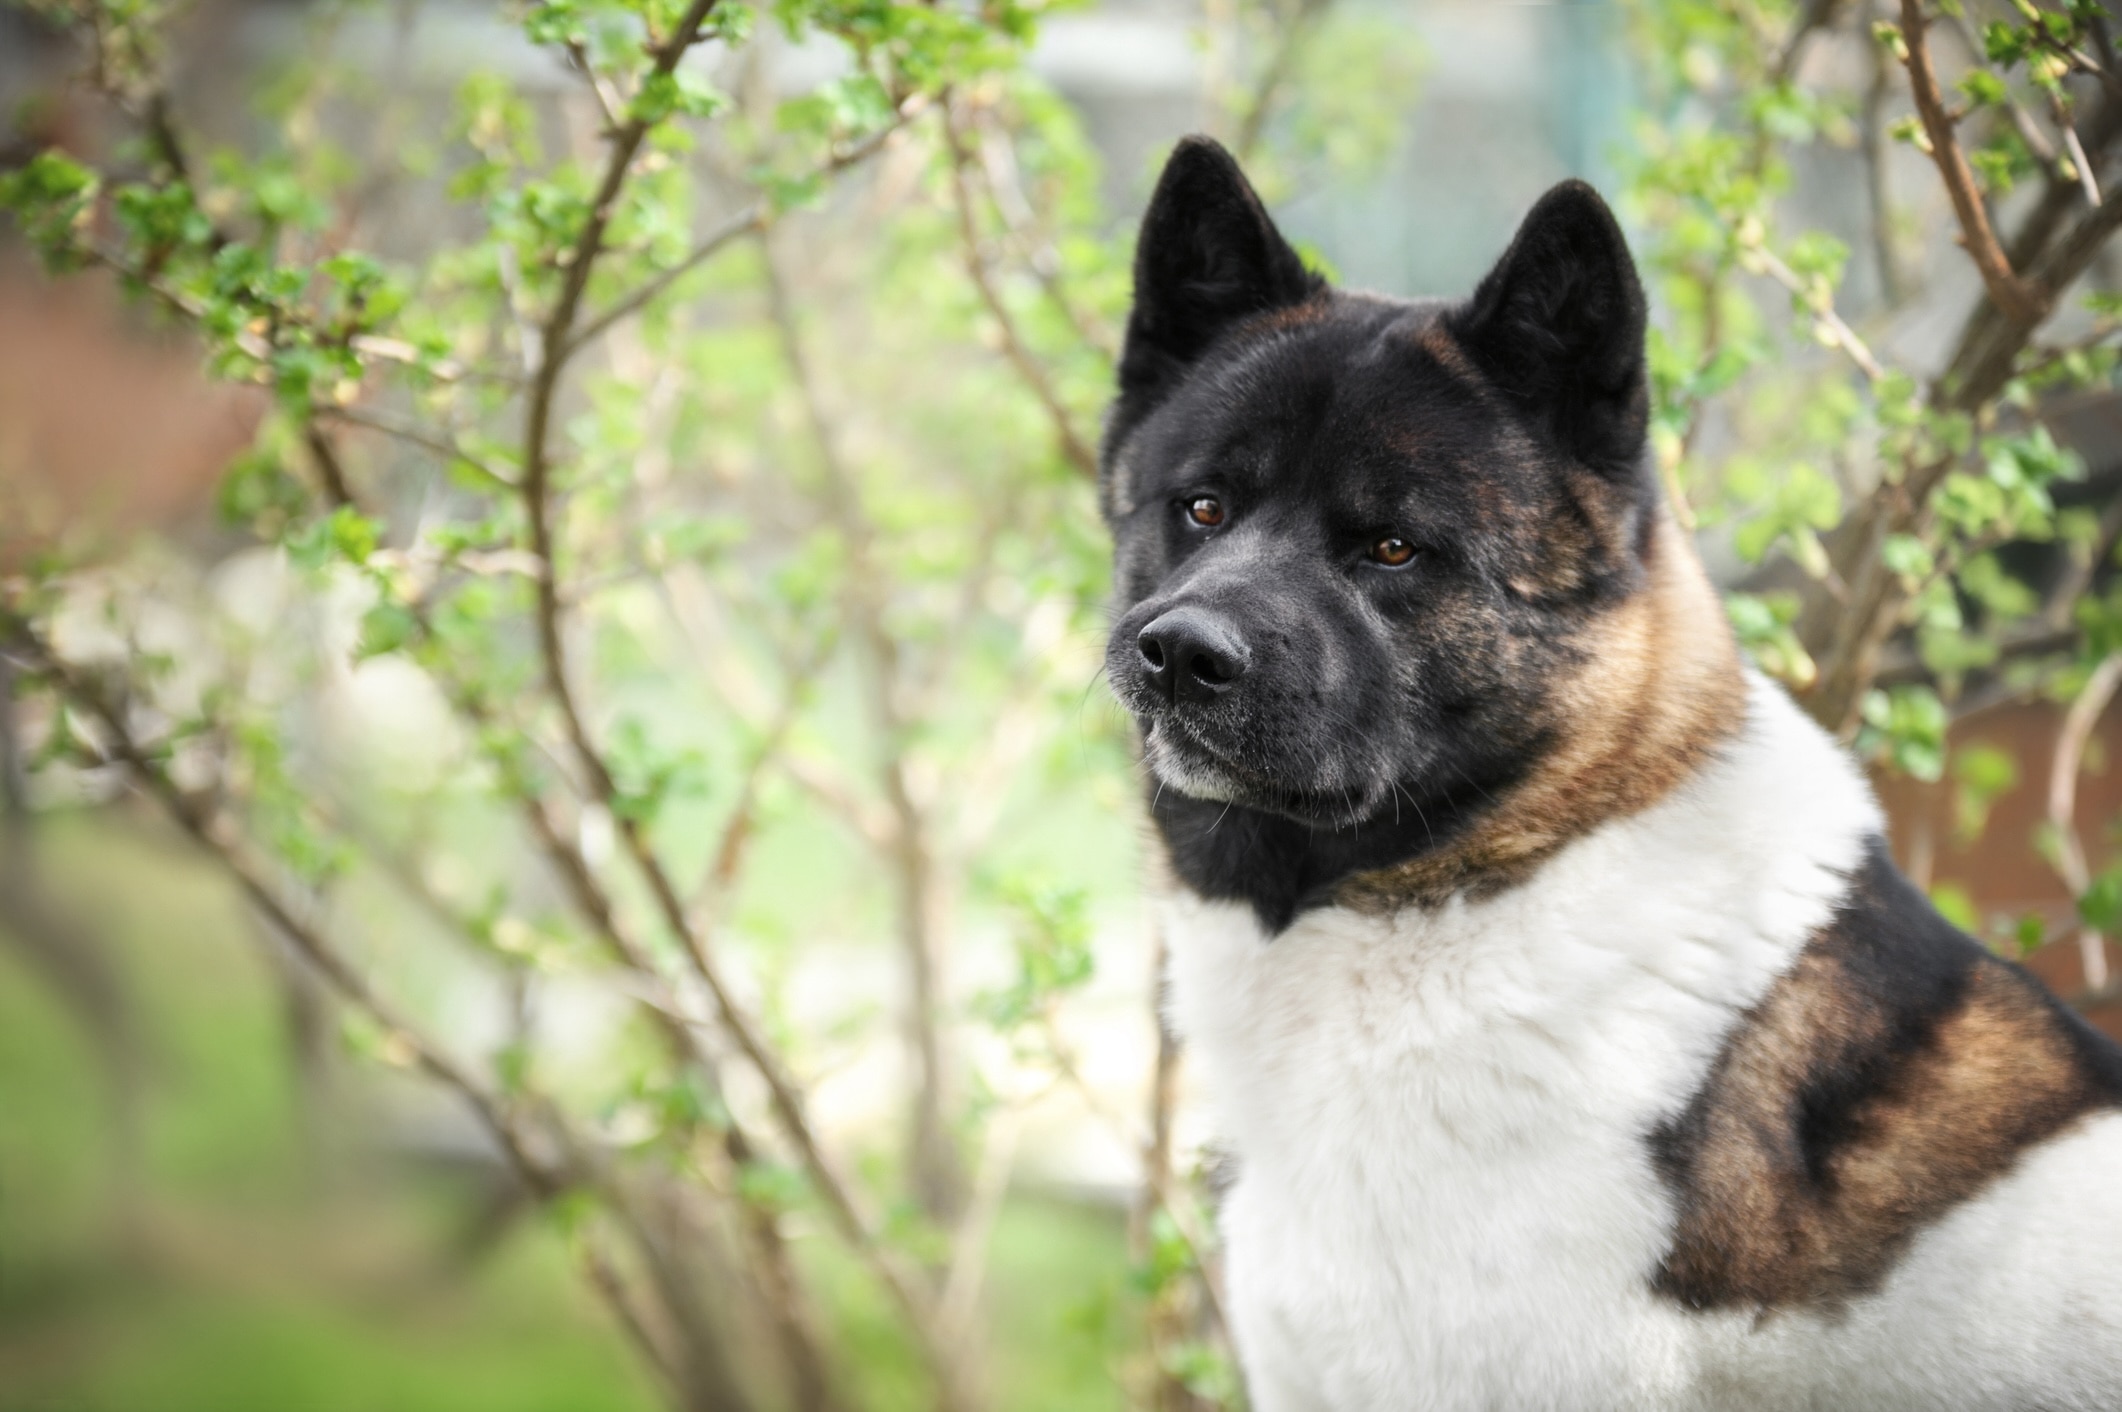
1827	323
960	1300
737	826
907	852
749	221
607	101
1073	447
604	1275
330	469
1002	178
2016	297
1818	15
2087	182
1293	34
2063	770
556	345
2057	270
218	839
1878	147
1170	1195
553	352
442	446
668	1016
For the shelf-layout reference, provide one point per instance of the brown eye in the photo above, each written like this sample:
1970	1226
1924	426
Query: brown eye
1205	511
1392	552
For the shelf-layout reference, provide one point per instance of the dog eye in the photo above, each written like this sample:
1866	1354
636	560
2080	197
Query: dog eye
1205	511
1392	551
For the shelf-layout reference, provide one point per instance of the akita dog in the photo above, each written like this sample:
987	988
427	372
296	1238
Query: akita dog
1576	1041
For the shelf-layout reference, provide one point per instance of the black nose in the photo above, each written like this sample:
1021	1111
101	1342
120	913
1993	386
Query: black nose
1192	654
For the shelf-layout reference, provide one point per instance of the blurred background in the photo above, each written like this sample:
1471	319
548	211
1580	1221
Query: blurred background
564	844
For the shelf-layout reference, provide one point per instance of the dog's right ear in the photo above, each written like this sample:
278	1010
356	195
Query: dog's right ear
1208	256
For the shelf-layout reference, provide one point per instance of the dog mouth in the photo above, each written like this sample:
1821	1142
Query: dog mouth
1183	760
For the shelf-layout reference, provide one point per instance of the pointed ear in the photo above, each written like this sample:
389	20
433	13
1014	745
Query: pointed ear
1558	324
1208	256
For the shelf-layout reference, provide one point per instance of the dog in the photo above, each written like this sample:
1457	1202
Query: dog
1576	1042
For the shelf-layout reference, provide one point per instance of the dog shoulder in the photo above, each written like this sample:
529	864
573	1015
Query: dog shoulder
1894	1072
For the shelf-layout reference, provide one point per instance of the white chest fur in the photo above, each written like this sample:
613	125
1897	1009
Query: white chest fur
1444	1196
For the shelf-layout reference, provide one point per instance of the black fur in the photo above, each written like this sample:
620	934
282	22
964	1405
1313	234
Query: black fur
1383	708
1559	325
1207	258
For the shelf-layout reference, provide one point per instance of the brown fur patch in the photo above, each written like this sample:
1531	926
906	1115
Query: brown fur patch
1891	1074
1309	311
1655	688
1436	340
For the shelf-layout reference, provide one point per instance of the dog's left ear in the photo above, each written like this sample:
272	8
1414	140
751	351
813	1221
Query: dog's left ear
1558	324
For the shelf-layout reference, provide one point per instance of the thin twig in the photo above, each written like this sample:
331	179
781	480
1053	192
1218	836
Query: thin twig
1163	1182
2063	770
1293	34
442	446
553	352
2018	298
2087	181
377	346
607	101
217	838
1002	178
1878	148
750	220
1817	299
330	469
556	344
738	825
604	1275
1819	14
2029	130
1074	448
960	1300
907	853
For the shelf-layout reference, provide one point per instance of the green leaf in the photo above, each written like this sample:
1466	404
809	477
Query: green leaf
51	197
1956	905
1764	624
2100	906
385	628
1907	556
345	535
1983	88
1053	948
258	494
1982	774
1907	725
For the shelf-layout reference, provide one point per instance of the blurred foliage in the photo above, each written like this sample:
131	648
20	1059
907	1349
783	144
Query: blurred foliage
1914	546
647	667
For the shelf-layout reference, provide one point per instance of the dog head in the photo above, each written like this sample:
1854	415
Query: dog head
1366	549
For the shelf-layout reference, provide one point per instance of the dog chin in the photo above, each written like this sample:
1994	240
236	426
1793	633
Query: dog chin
1185	768
1181	769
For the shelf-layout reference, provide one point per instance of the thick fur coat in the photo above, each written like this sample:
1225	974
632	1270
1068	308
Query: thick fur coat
1575	1041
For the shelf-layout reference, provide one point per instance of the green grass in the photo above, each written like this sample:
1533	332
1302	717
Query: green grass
513	1339
254	1277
